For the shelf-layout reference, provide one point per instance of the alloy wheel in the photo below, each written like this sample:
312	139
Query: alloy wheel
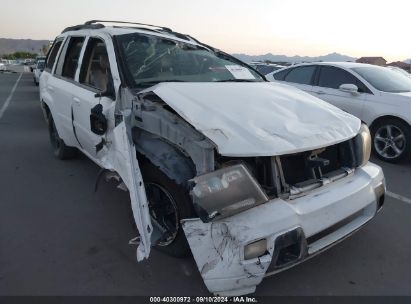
390	141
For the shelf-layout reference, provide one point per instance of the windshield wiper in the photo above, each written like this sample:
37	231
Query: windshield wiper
236	80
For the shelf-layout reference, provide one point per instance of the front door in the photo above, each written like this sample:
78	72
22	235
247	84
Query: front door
94	79
328	89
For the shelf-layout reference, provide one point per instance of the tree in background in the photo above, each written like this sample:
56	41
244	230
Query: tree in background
20	55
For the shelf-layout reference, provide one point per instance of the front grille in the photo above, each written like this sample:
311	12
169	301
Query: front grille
297	168
291	176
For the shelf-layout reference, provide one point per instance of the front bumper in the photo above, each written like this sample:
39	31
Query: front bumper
295	230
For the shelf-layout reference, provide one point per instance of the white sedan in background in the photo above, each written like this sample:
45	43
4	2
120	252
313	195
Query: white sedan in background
37	71
2	66
378	96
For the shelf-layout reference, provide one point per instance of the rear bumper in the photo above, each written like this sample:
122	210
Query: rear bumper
295	231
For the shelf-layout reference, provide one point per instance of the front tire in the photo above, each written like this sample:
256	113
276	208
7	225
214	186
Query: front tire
391	140
60	150
169	203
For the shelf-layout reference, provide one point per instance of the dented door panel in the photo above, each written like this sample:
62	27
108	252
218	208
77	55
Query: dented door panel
121	158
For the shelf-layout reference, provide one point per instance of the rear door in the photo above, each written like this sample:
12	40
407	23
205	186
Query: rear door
64	86
301	77
327	86
47	83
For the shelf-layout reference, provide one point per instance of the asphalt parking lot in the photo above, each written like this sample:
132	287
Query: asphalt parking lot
59	237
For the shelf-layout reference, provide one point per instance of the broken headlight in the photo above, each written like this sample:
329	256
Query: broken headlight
362	146
226	192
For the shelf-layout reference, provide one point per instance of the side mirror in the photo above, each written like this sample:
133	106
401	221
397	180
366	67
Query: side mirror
349	88
98	122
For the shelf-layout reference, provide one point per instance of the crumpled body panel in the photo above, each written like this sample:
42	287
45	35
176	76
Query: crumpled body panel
218	247
258	119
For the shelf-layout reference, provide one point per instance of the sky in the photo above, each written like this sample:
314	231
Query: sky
285	27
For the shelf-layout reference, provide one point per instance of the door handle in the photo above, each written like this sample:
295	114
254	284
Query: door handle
76	100
50	88
320	92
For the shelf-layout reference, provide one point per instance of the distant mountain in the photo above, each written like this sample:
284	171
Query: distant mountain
8	46
293	59
407	61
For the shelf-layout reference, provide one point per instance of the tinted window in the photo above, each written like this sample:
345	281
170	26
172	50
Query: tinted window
281	74
385	80
71	58
266	69
53	54
331	77
95	69
302	75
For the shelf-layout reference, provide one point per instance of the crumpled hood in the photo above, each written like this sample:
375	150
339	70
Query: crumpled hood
258	119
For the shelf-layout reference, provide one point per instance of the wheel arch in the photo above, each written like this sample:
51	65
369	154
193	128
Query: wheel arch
165	155
385	117
46	110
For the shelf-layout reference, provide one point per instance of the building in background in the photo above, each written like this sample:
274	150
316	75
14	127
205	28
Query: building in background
401	64
372	60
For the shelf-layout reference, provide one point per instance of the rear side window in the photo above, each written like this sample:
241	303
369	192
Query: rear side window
95	69
281	74
71	58
333	78
53	54
301	75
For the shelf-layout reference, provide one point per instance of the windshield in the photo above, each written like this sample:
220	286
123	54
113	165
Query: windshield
385	80
399	70
150	59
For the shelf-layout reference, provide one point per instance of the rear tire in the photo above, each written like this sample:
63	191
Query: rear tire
60	150
391	140
164	197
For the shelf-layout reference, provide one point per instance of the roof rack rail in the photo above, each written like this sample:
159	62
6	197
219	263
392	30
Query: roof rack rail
93	22
82	27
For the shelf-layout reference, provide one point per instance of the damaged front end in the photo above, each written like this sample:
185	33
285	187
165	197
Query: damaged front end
254	214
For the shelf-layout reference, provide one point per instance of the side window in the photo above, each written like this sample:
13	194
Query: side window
69	66
331	77
51	58
301	75
281	75
95	68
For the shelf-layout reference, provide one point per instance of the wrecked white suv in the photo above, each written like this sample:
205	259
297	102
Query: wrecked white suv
253	177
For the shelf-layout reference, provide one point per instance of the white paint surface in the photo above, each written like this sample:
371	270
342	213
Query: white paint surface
258	118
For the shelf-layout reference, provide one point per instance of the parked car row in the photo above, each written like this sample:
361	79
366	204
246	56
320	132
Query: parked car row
38	70
266	68
250	176
378	96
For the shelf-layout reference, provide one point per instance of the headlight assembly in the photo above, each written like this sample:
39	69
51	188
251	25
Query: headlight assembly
362	146
226	192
